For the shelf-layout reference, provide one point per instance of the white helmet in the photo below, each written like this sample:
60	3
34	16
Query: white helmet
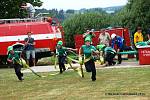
92	30
113	35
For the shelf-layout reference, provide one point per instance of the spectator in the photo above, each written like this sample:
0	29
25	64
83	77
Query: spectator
104	37
138	37
29	7
120	44
29	48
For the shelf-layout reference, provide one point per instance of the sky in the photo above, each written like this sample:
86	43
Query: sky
78	4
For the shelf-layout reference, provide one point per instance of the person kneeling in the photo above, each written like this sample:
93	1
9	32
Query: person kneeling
109	54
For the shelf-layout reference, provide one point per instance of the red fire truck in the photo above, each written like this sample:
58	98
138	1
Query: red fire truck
14	31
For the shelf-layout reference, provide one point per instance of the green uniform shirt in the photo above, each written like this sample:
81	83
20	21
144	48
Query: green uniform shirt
87	50
15	57
101	47
89	36
61	51
109	49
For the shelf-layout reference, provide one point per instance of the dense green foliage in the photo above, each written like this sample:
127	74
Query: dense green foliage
77	24
59	14
11	8
134	14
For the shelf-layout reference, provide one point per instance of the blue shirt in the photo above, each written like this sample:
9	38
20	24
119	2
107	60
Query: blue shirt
118	41
30	45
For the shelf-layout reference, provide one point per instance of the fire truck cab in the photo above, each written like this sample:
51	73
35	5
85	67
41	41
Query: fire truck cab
14	31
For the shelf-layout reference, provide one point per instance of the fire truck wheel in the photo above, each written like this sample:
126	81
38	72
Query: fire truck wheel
3	60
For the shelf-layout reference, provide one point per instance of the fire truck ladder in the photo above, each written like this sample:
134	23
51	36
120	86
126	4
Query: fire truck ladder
40	17
17	20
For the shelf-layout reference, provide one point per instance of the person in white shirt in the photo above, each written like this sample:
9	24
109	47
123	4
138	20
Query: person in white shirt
104	37
29	7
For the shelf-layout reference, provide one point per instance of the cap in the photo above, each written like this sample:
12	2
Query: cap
9	48
60	43
113	35
87	39
92	30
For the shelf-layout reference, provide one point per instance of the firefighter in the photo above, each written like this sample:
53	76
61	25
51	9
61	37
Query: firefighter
13	59
89	34
87	50
120	44
61	52
109	54
101	48
29	48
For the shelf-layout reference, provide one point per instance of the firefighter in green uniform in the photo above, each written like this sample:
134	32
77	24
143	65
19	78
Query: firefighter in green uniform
13	59
109	54
89	34
87	50
61	53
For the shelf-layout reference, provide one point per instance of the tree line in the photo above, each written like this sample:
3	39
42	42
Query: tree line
135	13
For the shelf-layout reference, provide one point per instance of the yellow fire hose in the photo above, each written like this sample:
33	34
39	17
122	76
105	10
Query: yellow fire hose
23	63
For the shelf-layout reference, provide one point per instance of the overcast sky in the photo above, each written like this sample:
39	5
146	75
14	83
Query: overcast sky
78	4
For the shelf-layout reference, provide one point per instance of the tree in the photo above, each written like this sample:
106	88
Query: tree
136	13
139	14
11	8
70	11
79	22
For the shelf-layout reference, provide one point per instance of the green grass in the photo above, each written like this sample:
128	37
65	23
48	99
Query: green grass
69	86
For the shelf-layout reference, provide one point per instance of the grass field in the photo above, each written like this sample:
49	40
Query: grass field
111	84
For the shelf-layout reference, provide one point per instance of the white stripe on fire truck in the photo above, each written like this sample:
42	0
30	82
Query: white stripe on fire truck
35	36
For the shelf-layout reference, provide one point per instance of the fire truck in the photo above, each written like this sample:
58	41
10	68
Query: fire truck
45	33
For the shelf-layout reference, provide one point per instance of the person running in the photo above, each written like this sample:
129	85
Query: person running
89	34
29	7
61	52
87	50
29	48
13	59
